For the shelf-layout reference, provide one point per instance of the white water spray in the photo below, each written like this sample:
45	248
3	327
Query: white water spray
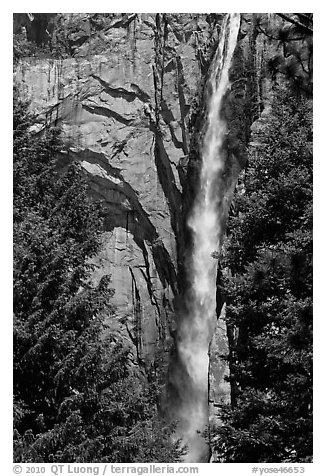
197	327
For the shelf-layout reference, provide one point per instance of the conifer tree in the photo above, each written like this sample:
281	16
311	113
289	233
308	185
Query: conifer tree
78	394
267	271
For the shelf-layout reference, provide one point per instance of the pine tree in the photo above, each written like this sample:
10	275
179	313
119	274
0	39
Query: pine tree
290	36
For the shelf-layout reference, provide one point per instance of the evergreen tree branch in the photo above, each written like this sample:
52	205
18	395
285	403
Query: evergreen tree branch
296	22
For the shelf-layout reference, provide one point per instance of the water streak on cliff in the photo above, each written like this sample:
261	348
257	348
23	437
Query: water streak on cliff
196	328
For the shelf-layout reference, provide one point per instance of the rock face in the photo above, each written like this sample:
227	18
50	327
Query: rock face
129	116
124	116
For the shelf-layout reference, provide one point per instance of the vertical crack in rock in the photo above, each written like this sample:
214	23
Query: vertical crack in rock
184	108
170	190
162	160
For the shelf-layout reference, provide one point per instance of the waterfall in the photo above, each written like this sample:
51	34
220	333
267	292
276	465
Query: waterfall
198	322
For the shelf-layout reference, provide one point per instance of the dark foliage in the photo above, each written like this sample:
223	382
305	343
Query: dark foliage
78	395
293	36
268	284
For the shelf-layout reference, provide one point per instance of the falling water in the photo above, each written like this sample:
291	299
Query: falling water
196	328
